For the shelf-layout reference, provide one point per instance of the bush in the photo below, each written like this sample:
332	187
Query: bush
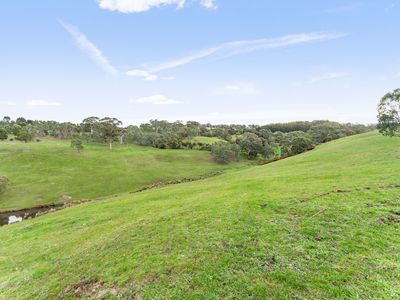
224	153
251	144
3	134
76	142
24	135
3	184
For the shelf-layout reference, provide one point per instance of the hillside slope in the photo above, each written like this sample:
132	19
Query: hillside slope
321	225
41	173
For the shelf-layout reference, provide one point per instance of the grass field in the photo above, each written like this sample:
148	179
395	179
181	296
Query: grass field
40	173
320	225
207	140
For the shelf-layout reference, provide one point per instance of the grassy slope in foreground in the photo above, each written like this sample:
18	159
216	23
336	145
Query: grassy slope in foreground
212	239
40	173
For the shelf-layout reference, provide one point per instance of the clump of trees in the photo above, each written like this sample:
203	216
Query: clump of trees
389	114
224	153
273	141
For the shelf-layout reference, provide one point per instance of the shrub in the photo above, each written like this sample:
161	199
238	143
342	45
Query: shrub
3	134
224	153
251	144
24	135
76	142
3	184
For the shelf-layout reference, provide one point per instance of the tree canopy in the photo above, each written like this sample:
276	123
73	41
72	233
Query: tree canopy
389	114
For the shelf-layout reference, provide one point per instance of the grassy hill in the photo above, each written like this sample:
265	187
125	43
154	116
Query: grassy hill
321	225
40	173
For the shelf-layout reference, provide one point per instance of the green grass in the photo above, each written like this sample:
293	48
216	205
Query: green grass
40	173
207	140
215	238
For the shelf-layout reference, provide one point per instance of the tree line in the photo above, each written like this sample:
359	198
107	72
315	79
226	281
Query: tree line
252	141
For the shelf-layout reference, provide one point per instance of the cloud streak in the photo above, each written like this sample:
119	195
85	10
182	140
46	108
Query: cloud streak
89	48
138	6
230	49
42	103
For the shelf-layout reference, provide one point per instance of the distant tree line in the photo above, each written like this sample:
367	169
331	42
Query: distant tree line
271	141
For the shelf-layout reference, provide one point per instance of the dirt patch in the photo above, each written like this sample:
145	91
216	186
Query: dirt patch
270	263
390	219
342	191
65	197
177	181
89	289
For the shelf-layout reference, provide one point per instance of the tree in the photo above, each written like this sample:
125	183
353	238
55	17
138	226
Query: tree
109	130
251	144
15	129
3	134
301	143
21	121
88	124
224	152
389	114
76	142
24	135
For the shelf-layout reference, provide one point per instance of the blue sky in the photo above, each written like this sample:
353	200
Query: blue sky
221	61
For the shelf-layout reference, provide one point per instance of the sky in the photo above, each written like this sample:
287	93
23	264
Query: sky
216	61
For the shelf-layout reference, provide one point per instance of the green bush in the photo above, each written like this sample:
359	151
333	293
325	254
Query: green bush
224	153
3	134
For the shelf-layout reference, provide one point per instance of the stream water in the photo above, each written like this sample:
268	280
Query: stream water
11	217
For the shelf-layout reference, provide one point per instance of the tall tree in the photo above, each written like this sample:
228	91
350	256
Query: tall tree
109	130
88	124
251	144
389	114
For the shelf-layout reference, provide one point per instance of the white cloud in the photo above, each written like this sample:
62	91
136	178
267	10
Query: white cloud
168	78
239	47
329	76
210	4
157	100
9	103
89	48
42	103
240	88
137	6
142	74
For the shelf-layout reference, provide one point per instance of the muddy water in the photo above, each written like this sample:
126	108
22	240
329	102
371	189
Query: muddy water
10	217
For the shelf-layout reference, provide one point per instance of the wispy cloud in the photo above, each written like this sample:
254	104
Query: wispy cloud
142	74
42	103
137	6
8	103
239	88
329	76
89	48
247	46
157	100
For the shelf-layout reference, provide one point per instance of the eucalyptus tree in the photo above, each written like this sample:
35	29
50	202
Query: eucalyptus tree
109	130
389	114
